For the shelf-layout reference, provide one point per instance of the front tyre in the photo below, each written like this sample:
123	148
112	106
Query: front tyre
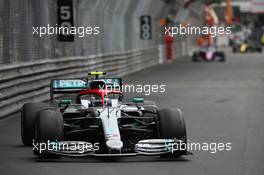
49	126
171	125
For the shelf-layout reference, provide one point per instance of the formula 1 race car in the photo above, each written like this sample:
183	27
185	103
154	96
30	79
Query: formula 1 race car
89	118
208	54
247	47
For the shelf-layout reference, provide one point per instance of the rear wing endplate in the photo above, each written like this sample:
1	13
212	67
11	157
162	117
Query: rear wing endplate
67	86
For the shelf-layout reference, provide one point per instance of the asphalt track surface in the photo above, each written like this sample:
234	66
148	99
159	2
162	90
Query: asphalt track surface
221	102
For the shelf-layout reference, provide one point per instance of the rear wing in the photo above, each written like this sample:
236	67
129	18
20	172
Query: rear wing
74	86
67	86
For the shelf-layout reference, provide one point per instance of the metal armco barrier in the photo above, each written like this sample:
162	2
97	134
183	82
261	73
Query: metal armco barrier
30	81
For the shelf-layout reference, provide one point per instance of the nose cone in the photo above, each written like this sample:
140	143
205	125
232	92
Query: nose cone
114	144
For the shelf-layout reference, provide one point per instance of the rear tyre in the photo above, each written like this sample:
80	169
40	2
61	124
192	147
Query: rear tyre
150	105
220	56
28	116
171	125
195	57
234	49
259	49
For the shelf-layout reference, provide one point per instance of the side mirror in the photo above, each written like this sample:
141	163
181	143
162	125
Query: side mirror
65	102
138	100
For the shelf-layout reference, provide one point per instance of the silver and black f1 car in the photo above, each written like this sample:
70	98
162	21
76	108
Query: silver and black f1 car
88	118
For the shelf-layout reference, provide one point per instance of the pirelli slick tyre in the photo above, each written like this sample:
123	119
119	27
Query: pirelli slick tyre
259	49
196	57
49	126
149	105
171	125
234	49
28	116
220	56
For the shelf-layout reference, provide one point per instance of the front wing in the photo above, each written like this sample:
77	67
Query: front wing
149	147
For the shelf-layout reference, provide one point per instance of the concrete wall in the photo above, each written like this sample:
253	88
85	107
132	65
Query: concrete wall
118	21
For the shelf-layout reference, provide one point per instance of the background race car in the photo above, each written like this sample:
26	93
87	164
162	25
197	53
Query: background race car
208	54
247	46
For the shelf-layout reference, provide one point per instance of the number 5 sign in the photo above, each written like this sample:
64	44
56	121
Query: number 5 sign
145	27
65	20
